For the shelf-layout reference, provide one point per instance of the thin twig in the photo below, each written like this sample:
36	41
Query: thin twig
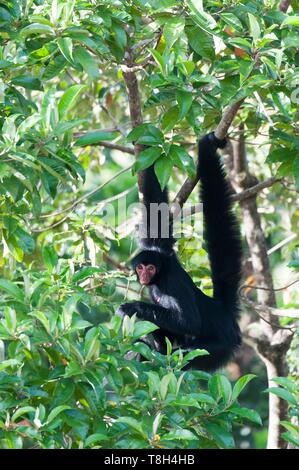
111	145
250	192
248	286
74	204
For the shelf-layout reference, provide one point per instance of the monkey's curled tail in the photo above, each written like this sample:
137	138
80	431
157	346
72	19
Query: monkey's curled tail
221	230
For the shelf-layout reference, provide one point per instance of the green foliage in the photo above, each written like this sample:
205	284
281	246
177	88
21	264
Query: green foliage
288	390
60	61
69	382
64	380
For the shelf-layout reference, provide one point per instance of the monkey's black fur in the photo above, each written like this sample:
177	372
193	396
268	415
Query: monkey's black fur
184	314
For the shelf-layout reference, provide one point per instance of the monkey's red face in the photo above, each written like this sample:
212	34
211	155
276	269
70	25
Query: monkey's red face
145	273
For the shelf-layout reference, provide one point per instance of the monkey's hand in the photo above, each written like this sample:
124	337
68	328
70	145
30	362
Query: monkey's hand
126	309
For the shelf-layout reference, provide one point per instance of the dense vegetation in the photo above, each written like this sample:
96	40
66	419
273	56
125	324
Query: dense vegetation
69	371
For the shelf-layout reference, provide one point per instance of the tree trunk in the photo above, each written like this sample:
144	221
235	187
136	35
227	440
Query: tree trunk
271	345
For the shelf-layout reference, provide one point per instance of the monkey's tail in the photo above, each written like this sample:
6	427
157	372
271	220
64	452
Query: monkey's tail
221	230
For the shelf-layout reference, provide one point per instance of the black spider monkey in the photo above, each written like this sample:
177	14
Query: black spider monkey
189	318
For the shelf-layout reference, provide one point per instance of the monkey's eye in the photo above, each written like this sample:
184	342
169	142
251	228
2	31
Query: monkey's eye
151	267
139	267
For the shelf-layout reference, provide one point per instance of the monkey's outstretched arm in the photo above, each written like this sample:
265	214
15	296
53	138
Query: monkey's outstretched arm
168	319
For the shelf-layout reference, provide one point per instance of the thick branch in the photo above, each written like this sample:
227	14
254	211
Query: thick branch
135	109
227	119
220	133
272	342
284	5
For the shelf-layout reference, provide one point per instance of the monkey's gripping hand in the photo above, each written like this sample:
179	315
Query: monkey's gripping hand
126	309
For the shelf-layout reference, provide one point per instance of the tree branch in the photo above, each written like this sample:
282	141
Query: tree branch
72	206
111	145
284	5
220	133
279	312
250	192
131	82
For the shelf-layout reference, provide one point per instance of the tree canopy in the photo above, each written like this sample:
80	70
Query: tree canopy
84	86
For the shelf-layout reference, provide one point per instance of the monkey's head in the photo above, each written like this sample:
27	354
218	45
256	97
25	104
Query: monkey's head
147	265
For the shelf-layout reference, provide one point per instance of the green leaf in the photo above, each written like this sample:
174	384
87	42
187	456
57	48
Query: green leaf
163	169
198	14
25	241
170	118
37	28
146	158
168	346
292	428
27	82
91	344
87	61
64	127
222	437
85	272
291	40
241	43
42	318
204	398
186	67
66	48
182	159
296	171
164	384
254	27
142	328
68	99
50	257
6	64
282	393
289	384
146	134
291	20
288	436
92	138
54	68
120	35
13	247
184	100
12	289
195	353
157	422
220	387
73	368
232	20
159	59
252	415
240	384
180	435
94	438
133	424
9	363
173	30
11	319
201	42
294	264
22	411
56	411
186	401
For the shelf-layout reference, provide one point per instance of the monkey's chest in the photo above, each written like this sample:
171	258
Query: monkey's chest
165	300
